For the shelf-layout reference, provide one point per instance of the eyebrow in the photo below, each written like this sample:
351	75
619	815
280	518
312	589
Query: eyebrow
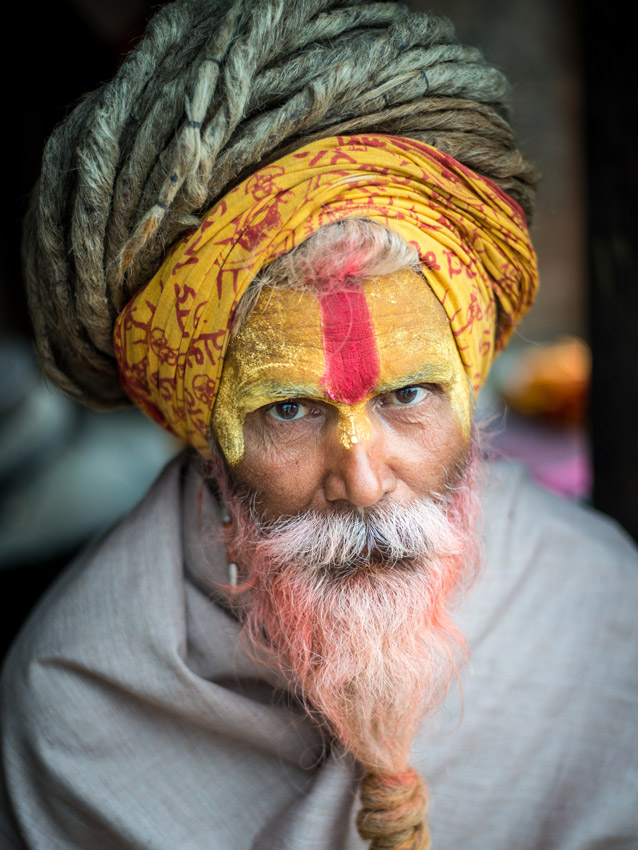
431	374
279	389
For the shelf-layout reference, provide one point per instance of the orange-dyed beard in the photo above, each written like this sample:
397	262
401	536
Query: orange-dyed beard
359	620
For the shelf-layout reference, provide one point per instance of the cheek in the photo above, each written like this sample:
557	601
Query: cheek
285	475
434	455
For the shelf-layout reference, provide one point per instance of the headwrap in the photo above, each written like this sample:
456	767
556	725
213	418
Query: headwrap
472	240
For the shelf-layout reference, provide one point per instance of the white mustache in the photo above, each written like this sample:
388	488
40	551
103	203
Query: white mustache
387	533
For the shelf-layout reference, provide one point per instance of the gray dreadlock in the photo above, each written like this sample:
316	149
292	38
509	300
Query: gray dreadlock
214	91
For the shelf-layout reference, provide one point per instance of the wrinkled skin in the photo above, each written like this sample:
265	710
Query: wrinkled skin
291	438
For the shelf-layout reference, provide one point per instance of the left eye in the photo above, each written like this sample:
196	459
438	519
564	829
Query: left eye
407	395
287	411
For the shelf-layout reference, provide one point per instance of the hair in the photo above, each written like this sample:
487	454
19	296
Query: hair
339	254
214	91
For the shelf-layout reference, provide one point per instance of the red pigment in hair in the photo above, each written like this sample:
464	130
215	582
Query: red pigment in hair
350	351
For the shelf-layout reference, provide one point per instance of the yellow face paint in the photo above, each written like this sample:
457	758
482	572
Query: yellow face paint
390	334
276	355
353	423
415	338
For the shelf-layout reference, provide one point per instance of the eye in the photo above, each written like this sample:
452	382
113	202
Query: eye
287	411
407	395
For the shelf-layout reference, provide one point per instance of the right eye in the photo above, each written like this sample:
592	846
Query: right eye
288	411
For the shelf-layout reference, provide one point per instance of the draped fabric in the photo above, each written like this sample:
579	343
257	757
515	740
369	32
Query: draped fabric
132	716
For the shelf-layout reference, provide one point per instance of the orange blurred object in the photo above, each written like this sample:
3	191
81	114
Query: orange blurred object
551	381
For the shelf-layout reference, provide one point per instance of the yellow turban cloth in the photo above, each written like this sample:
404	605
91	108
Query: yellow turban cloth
472	241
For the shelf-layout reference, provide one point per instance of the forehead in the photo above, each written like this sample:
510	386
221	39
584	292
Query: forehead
346	345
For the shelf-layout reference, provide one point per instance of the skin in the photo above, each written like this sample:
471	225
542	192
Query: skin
300	447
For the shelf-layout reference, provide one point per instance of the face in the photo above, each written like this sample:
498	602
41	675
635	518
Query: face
344	397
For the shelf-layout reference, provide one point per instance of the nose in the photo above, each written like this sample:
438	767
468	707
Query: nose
359	474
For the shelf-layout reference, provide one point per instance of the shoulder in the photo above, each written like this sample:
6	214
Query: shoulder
115	583
527	527
550	695
566	575
516	504
145	545
91	640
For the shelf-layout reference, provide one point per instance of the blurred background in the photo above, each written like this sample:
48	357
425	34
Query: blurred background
561	400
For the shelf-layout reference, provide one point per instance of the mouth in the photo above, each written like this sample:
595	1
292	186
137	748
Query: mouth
372	562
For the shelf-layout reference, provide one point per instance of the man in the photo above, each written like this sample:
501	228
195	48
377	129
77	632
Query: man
292	234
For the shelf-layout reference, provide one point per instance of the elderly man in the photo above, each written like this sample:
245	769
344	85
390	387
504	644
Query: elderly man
296	236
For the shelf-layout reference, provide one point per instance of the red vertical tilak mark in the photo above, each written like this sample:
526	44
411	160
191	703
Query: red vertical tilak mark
349	346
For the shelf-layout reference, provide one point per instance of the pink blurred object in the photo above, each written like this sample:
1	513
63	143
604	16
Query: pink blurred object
556	458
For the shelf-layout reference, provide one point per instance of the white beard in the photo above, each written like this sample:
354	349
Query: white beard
353	607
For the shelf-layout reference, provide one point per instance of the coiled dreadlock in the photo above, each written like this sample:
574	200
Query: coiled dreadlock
215	90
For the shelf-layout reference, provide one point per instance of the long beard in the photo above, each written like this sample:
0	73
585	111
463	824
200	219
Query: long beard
354	608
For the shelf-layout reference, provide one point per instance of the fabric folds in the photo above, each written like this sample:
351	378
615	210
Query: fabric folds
472	240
